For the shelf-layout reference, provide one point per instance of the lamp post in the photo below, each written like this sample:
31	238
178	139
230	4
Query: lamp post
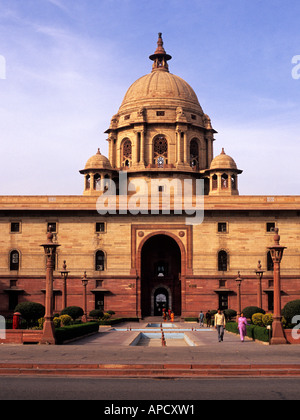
64	275
276	252
50	252
84	283
238	283
259	274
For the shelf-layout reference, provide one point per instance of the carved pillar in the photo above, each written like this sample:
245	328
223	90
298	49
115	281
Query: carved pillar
276	251
185	151
142	148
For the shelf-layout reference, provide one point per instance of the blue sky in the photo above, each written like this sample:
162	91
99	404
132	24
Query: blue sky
69	63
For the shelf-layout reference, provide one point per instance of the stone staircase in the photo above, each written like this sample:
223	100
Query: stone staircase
150	370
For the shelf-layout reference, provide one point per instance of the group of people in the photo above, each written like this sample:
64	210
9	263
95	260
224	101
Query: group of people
220	323
168	314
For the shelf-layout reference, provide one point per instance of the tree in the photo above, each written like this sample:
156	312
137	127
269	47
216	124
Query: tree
30	311
74	312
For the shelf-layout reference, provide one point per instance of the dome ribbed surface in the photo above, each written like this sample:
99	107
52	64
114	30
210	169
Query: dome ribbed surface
154	88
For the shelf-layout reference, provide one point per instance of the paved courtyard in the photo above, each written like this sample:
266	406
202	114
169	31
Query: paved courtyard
110	346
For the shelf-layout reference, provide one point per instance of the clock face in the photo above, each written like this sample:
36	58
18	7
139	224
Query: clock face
160	161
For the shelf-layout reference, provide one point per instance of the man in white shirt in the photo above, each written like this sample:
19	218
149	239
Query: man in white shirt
220	323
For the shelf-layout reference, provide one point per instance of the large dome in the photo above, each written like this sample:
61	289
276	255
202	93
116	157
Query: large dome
160	88
156	88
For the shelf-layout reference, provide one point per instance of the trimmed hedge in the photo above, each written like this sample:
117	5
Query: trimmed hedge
249	311
253	331
117	321
74	331
73	311
291	309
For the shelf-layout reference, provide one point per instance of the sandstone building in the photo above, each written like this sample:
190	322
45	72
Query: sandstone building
137	262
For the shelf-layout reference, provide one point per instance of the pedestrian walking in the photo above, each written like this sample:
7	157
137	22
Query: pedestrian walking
242	326
208	319
201	319
220	324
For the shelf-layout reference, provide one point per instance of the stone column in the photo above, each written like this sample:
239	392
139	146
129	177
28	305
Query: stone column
185	151
276	251
142	148
49	330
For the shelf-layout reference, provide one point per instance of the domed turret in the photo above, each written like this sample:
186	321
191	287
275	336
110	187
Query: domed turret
223	173
97	172
98	161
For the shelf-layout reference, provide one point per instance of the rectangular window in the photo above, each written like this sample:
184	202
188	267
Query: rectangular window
193	117
15	227
160	113
222	227
270	226
161	188
222	283
127	117
52	226
223	301
100	227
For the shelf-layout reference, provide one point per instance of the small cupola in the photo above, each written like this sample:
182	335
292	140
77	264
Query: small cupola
160	57
223	175
97	172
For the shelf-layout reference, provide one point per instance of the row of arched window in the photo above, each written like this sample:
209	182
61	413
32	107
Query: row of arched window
14	261
224	182
223	261
160	152
97	182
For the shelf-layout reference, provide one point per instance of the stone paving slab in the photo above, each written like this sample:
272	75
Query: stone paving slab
112	348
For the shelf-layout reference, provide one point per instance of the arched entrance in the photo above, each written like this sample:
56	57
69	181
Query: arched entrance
160	301
160	276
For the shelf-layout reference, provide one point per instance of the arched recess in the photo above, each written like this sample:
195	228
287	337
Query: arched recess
194	153
126	153
156	250
160	150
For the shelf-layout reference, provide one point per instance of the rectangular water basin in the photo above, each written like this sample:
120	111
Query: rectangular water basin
153	339
163	325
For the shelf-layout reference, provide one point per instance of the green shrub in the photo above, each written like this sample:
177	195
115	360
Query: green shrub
267	319
261	333
65	320
56	322
257	319
41	323
74	331
230	313
30	311
96	313
191	319
73	311
291	309
249	311
110	312
232	327
253	331
106	316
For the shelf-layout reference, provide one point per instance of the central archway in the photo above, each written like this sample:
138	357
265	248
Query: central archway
160	276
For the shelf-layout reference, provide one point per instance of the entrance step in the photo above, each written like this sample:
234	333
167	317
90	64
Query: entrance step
150	370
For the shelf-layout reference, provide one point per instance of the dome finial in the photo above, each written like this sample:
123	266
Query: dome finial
160	57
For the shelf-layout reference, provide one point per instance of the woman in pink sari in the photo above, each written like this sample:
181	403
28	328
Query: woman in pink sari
242	326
